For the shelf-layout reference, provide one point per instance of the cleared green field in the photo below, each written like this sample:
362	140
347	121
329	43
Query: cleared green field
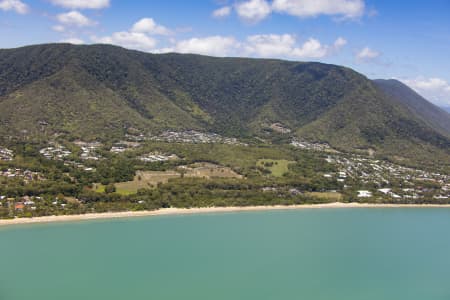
277	167
99	188
208	170
142	180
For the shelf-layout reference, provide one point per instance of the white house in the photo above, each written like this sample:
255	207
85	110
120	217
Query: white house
384	191
364	194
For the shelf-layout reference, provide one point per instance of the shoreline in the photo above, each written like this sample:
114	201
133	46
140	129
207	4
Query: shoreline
202	210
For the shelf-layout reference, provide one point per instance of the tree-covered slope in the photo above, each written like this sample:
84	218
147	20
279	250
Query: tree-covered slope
100	91
416	104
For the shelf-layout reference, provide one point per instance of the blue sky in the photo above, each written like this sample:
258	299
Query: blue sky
407	40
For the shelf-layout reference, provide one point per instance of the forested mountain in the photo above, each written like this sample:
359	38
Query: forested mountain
101	91
417	105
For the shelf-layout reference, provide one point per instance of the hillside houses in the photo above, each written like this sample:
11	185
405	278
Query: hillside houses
123	146
89	150
280	128
194	137
310	146
25	175
55	152
78	165
6	154
157	156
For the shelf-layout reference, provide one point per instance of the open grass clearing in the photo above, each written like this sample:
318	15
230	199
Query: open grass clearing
145	180
209	170
277	167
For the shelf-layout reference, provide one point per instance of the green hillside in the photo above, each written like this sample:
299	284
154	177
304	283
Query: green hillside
102	91
434	116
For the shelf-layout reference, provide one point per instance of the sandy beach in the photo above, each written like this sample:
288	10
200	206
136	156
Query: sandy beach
201	210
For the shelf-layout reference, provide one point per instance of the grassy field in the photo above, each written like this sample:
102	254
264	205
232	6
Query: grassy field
99	188
208	170
225	155
145	179
277	167
150	179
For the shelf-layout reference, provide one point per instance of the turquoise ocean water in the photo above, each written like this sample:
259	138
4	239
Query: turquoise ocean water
326	254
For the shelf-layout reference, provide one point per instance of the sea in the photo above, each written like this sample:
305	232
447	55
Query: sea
311	254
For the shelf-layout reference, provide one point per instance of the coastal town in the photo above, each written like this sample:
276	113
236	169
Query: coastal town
362	178
385	179
389	180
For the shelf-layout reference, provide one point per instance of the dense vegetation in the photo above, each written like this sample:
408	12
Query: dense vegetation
417	105
103	92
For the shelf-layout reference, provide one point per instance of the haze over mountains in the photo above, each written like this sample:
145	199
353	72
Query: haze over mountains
101	91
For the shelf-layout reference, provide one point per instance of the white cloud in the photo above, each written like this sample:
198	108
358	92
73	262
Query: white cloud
74	18
222	12
313	8
59	28
253	10
286	45
312	48
212	45
256	10
75	41
270	45
437	90
139	37
339	43
14	5
131	40
366	54
148	25
81	4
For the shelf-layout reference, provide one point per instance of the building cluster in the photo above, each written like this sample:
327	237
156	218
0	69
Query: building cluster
25	175
55	152
280	128
194	137
123	146
156	156
61	153
89	150
392	180
6	154
75	164
138	137
310	146
30	203
25	202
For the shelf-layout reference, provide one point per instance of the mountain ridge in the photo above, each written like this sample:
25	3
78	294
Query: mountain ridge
101	91
417	105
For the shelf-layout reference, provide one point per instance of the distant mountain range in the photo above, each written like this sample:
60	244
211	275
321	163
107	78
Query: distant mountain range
103	91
